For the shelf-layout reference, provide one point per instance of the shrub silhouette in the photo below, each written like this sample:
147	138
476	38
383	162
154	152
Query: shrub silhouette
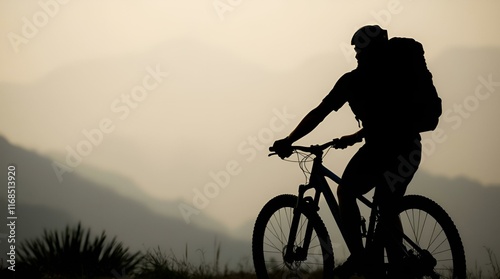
72	253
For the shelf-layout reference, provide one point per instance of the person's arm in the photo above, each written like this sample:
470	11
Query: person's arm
333	101
283	146
310	122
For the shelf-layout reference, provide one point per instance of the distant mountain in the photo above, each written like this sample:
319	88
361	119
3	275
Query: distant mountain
128	189
105	200
43	202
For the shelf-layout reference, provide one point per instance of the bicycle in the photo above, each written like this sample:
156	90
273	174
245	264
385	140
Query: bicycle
290	239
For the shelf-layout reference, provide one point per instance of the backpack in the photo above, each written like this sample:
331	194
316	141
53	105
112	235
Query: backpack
413	84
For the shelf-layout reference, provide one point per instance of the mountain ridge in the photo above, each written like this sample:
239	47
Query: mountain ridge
43	203
467	201
453	194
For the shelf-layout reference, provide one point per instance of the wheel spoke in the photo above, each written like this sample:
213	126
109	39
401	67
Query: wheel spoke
430	227
272	232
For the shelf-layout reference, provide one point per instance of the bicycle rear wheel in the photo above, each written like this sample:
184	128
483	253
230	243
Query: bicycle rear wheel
270	238
430	227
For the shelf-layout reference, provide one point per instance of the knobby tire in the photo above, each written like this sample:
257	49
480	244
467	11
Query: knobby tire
270	236
428	225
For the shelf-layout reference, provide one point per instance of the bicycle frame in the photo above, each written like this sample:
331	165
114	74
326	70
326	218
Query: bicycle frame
318	182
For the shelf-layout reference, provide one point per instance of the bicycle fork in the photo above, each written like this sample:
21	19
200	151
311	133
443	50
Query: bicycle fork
295	253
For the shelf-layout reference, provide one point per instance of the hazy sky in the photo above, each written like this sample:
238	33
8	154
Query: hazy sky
220	80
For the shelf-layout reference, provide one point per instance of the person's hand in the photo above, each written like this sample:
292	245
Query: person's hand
346	141
283	148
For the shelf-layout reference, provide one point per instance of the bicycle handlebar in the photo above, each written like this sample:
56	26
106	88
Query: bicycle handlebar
313	149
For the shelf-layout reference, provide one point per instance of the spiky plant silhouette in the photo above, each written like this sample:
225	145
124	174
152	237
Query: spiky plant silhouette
72	253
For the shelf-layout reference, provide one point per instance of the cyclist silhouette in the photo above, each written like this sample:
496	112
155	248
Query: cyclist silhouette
390	143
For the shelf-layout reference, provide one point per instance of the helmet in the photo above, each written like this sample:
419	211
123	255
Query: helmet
369	35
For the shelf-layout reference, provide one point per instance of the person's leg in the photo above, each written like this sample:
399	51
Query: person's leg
351	217
404	168
355	182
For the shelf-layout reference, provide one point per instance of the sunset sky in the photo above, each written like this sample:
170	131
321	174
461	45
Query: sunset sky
176	95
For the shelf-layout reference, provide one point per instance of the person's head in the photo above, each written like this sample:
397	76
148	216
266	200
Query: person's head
368	39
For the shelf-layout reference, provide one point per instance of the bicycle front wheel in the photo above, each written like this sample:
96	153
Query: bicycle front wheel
430	227
270	237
